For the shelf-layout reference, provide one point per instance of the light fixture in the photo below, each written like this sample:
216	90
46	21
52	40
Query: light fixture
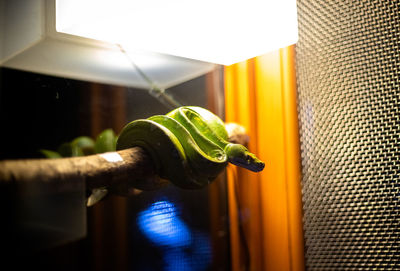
171	41
29	42
217	31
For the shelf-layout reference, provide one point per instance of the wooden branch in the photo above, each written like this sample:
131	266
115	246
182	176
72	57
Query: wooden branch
119	171
122	170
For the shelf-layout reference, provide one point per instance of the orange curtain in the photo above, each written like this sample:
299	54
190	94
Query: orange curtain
265	208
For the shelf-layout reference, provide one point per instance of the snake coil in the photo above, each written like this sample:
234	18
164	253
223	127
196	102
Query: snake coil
188	145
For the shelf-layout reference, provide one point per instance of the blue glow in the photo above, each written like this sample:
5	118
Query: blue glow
183	248
162	226
196	257
176	260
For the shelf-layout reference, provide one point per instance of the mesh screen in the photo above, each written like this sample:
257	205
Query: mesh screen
348	68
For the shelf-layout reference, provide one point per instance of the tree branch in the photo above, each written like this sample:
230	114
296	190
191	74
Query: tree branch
119	171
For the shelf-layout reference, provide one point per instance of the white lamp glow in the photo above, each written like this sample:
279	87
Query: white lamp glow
29	42
171	41
217	31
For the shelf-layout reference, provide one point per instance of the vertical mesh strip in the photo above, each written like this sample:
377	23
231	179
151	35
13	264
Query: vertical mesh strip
348	68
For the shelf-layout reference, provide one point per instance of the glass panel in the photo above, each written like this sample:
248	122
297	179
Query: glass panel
165	229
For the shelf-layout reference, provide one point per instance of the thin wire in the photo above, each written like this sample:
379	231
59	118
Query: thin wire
154	90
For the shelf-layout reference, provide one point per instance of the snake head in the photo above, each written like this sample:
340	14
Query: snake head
240	156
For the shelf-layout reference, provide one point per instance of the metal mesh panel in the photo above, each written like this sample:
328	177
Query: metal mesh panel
348	67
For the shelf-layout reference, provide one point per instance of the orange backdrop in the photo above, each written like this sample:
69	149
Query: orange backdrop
265	208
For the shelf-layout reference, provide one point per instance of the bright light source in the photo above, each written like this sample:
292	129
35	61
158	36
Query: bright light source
162	225
218	31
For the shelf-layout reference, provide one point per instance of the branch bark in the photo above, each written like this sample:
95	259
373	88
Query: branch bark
119	171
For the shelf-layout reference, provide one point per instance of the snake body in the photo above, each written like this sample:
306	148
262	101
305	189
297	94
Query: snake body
189	146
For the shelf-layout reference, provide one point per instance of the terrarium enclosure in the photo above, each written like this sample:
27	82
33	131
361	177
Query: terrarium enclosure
307	90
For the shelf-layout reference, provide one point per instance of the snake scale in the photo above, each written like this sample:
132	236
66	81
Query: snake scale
189	146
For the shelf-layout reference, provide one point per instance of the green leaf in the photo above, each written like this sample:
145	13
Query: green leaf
65	149
105	141
82	146
50	154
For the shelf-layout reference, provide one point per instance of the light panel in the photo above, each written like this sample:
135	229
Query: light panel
29	42
222	32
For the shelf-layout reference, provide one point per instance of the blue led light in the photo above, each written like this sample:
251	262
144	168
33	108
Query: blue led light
162	226
183	248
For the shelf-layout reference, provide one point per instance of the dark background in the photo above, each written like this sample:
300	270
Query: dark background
42	112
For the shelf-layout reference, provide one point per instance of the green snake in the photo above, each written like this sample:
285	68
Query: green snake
188	145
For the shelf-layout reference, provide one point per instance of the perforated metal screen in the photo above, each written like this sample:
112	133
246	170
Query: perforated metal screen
348	68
